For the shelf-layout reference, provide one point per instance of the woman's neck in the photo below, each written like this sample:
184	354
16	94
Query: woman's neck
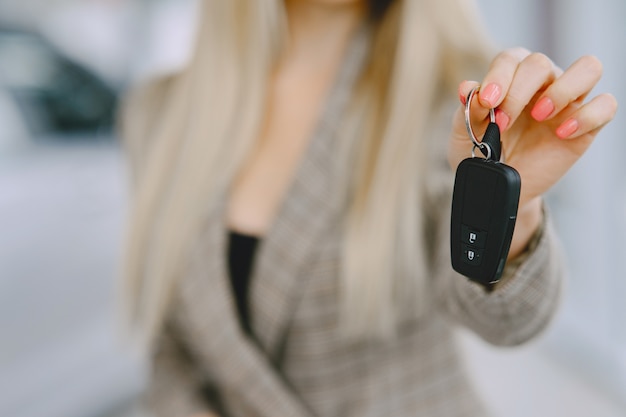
320	31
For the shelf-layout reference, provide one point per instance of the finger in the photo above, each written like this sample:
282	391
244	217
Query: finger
478	113
589	118
500	75
533	74
576	82
464	89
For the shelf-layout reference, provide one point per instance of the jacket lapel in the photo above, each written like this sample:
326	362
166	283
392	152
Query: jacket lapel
204	313
311	202
278	274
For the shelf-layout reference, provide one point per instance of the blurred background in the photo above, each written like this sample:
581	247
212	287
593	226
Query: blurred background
64	64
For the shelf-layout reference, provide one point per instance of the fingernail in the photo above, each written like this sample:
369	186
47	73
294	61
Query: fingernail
491	94
462	96
502	120
543	108
567	128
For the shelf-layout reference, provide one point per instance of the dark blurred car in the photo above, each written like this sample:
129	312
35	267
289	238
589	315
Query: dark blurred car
56	94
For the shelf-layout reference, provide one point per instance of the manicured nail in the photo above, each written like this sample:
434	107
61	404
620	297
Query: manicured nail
463	99
543	108
502	120
567	128
491	94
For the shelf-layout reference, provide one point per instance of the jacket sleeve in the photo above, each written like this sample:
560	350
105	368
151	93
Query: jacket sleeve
525	300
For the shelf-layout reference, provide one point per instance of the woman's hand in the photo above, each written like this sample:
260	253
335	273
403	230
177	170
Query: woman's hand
545	120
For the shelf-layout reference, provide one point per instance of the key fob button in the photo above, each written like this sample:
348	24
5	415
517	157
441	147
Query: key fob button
472	255
473	237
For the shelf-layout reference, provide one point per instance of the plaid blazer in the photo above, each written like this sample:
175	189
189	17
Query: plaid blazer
297	365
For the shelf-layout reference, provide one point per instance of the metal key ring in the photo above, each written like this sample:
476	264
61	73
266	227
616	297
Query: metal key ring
484	145
468	124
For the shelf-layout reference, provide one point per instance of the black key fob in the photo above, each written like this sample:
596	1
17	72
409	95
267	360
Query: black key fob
484	209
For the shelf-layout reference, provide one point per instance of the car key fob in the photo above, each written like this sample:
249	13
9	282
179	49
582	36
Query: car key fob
484	210
484	207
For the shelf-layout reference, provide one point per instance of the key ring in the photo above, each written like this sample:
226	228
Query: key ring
468	124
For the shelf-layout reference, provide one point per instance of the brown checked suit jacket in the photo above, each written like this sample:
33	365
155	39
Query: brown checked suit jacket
297	365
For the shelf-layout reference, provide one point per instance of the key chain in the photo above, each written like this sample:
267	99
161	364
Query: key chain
484	206
490	145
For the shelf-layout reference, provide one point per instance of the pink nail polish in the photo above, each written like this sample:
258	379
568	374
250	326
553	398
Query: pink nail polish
502	120
491	94
462	99
567	128
543	108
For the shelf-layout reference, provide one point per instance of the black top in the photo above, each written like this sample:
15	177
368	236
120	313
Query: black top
241	251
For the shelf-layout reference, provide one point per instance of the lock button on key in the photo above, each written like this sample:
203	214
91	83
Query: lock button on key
473	237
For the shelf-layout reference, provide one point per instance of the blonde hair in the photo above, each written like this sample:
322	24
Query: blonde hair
213	110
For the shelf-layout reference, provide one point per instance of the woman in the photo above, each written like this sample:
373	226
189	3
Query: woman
289	251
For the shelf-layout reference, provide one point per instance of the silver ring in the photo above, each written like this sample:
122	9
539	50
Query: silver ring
468	124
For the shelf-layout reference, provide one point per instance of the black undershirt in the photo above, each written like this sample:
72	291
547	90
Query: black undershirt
241	251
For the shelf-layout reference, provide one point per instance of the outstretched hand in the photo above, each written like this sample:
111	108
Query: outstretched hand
546	121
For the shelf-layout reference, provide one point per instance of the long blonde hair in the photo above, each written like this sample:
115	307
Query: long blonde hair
213	110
